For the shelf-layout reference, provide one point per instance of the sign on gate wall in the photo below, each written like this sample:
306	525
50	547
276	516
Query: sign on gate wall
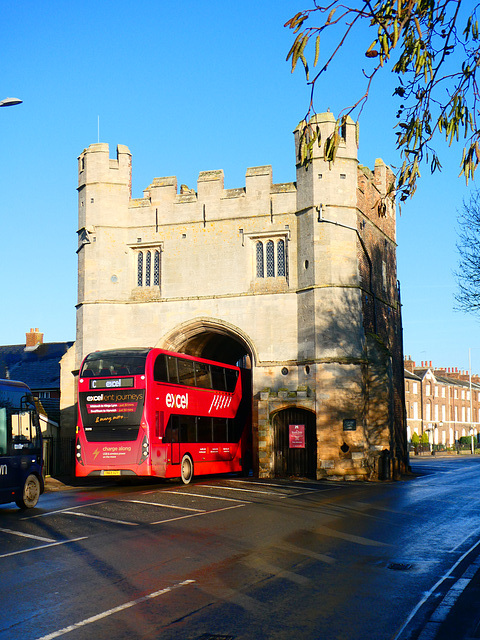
296	436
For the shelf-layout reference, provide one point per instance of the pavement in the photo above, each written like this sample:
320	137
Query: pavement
55	484
70	483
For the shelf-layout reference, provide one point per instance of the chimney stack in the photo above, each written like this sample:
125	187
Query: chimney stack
33	339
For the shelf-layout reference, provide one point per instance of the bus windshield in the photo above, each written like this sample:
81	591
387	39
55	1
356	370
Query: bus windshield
18	426
122	362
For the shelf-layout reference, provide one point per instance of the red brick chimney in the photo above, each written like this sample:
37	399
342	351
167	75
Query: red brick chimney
33	339
409	364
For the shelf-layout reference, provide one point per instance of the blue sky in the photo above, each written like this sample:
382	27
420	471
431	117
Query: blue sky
188	87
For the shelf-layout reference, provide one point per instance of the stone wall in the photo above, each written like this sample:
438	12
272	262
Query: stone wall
291	277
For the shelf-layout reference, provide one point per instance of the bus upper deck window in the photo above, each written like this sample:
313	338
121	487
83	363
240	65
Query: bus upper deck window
160	373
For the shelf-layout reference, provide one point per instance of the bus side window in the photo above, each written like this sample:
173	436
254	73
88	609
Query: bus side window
3	431
188	429
171	430
231	376
218	378
160	373
185	372
159	424
172	369
204	429
24	432
220	430
202	375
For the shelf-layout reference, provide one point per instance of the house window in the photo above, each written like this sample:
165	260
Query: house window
148	268
271	258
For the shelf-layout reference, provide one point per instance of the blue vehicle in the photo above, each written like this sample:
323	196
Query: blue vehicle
21	450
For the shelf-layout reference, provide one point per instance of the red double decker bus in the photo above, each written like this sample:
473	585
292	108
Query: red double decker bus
150	412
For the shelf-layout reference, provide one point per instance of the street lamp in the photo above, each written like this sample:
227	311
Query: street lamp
10	102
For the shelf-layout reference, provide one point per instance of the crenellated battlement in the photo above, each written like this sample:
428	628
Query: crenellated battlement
259	196
319	184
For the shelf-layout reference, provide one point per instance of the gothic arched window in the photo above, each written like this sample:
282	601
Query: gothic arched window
281	271
140	269
259	257
156	269
148	268
270	259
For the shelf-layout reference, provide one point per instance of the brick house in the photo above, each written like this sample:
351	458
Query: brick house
441	402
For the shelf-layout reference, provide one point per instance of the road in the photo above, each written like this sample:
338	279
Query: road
227	558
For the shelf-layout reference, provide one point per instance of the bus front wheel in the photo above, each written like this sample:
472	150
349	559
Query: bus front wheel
30	493
186	469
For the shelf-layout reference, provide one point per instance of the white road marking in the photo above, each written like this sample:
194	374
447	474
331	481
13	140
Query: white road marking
195	515
66	510
168	506
110	612
43	546
88	515
199	495
216	486
278	486
433	589
26	535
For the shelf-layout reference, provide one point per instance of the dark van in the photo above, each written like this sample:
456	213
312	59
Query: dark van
21	450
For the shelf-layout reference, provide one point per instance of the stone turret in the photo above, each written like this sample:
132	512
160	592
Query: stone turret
100	177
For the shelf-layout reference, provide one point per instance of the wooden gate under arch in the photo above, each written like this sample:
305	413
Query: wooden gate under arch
296	460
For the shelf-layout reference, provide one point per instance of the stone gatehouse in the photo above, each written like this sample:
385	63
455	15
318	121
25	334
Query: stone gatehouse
296	281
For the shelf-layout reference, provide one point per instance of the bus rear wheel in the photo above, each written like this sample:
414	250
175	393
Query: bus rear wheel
30	493
186	469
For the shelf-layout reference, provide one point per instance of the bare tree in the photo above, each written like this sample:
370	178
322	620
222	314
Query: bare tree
432	46
468	245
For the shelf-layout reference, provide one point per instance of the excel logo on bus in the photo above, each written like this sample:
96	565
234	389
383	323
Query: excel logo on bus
177	401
